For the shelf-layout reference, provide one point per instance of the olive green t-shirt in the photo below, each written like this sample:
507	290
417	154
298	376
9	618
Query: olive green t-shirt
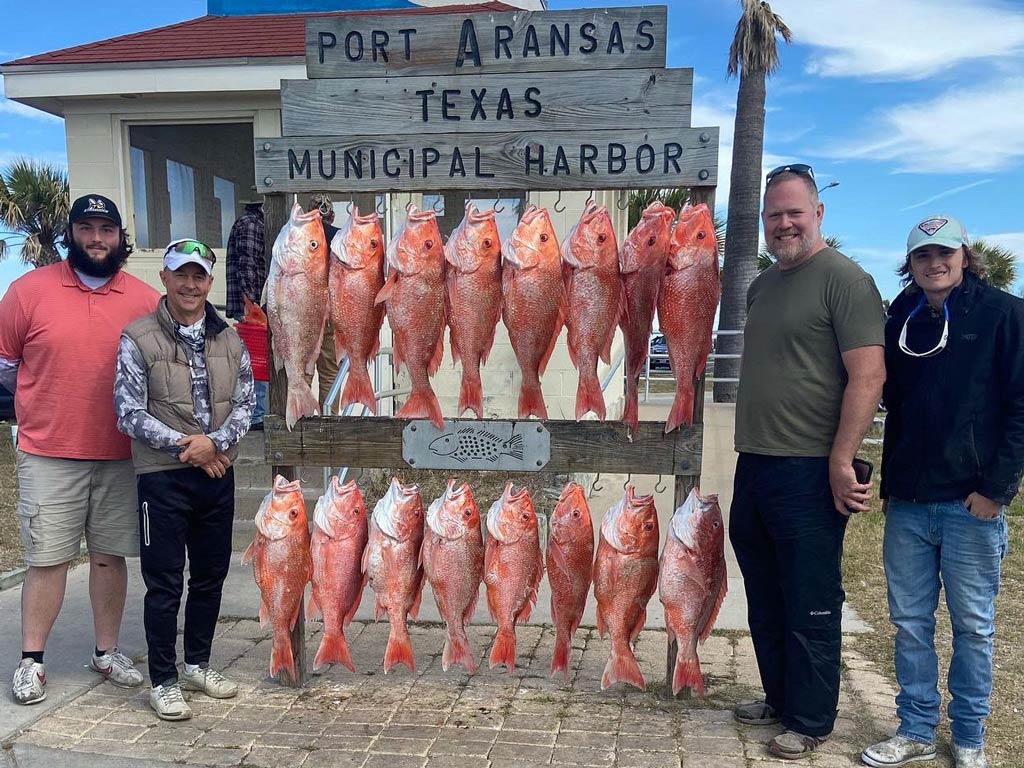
792	377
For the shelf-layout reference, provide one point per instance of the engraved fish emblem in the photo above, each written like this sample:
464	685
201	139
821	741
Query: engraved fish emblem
469	444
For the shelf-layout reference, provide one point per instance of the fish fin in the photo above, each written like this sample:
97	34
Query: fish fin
705	631
602	627
504	650
556	557
555	333
589	397
313	610
399	650
622	667
471	394
301	402
620	311
682	406
264	615
281	656
467	614
387	291
435	361
364	561
457	651
514	447
631	408
687	673
378	608
422	404
639	626
358	389
249	553
355	603
531	401
485	352
333	650
560	657
414	609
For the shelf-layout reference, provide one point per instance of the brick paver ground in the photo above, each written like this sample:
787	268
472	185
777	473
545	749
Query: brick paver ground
486	720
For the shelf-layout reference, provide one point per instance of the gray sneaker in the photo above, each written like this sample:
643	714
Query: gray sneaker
29	686
966	757
899	750
758	712
168	703
117	668
209	681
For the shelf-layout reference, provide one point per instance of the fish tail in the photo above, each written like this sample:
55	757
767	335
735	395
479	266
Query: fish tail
622	667
301	402
281	656
682	407
358	389
531	401
399	650
471	395
687	673
589	398
504	650
457	650
560	658
333	650
422	404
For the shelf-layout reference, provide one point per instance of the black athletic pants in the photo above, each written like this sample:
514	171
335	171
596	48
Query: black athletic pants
183	510
788	540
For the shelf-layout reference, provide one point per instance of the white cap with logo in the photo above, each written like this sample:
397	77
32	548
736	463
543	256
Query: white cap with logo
937	230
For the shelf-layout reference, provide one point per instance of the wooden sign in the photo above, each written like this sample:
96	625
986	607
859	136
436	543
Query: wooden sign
556	101
485	43
553	160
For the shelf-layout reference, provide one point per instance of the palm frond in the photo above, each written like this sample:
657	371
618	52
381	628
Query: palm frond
34	203
754	45
1000	264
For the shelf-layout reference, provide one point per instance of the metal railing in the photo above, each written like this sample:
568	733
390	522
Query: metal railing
668	376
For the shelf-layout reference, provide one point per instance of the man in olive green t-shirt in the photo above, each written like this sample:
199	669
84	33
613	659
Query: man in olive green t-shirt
810	382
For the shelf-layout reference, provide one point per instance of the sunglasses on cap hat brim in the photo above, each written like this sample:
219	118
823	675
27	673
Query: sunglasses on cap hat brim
801	169
188	247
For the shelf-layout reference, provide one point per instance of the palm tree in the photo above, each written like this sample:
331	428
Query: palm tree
765	259
34	206
1000	264
753	56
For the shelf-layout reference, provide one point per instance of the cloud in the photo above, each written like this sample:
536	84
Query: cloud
9	107
905	40
53	158
1013	241
963	130
946	193
710	112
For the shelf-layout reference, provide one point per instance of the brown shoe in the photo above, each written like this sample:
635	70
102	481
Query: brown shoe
791	745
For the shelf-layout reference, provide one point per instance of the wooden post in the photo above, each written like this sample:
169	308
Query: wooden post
685	483
275	216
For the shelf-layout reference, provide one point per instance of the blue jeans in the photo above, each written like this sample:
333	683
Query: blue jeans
262	388
925	546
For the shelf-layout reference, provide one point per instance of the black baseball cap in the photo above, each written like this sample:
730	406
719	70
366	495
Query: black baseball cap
94	207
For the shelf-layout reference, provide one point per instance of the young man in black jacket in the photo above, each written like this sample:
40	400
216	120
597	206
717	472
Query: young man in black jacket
951	462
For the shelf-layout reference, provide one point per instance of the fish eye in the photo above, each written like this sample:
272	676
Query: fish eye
650	241
576	514
467	512
373	242
602	237
648	526
543	237
314	244
428	244
293	513
701	235
488	242
717	524
525	516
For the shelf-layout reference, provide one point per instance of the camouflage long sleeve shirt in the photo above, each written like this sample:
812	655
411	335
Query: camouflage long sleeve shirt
131	396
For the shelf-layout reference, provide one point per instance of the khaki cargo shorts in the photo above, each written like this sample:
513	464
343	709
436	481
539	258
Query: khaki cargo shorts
61	499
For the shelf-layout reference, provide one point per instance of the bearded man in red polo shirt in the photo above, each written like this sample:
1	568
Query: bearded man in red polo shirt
59	332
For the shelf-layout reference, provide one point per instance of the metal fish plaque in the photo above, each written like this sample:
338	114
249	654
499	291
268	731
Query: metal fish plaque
510	446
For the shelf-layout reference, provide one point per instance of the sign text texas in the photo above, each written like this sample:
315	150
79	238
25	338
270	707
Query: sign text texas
478	43
661	157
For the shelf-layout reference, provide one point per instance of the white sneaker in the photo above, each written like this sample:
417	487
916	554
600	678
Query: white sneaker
117	668
29	685
168	703
897	751
209	681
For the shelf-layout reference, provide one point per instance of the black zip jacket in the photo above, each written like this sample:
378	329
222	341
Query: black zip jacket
955	422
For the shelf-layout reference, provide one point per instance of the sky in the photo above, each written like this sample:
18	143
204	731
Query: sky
915	108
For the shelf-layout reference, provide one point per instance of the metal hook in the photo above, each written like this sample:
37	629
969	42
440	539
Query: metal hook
438	209
595	488
629	477
380	208
623	198
348	208
659	488
496	201
557	201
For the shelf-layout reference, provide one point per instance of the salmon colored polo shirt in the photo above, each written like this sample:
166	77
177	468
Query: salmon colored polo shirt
66	337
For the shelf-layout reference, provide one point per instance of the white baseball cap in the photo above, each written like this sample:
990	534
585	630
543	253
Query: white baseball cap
937	230
189	251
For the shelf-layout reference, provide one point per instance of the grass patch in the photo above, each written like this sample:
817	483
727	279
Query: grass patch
865	589
11	553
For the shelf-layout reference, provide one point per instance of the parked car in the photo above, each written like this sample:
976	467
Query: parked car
6	405
659	347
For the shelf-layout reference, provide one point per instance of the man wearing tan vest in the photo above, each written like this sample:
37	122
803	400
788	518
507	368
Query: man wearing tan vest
184	393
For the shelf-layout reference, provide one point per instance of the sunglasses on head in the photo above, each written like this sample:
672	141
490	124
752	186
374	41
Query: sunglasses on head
801	169
190	247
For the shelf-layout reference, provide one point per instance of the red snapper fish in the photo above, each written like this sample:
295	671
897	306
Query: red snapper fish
297	307
513	567
391	562
533	302
692	582
594	292
339	538
473	281
687	304
356	277
642	261
453	559
570	561
625	577
281	565
414	297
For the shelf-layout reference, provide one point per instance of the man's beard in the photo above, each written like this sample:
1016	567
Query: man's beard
85	264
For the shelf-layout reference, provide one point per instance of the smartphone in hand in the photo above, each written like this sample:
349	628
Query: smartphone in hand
863	469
